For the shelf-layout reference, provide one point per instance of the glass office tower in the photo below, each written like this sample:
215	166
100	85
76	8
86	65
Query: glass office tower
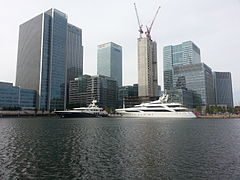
74	52
109	61
182	54
196	77
223	88
42	58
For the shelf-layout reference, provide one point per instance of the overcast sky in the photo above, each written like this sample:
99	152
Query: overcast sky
213	25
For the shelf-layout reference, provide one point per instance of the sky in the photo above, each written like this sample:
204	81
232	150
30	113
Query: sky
213	25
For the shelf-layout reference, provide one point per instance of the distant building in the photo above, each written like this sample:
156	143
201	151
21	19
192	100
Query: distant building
136	100
181	54
74	53
147	67
79	89
48	47
12	96
188	98
223	88
196	77
86	88
126	91
109	61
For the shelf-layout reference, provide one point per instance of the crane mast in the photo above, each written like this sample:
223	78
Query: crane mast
148	32
139	24
148	29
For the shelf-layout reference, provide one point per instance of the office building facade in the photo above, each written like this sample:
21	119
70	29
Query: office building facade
223	88
74	53
109	61
86	88
181	54
188	98
12	97
126	91
147	67
79	91
196	77
45	50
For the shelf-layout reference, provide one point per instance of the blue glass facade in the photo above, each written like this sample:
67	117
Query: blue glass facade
74	52
196	77
46	49
11	96
45	46
57	89
182	54
109	61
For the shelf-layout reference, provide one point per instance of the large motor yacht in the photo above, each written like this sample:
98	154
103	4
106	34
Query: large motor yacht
91	111
158	108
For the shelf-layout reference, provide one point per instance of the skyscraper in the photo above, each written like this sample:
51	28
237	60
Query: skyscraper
196	77
223	88
147	67
181	54
74	52
44	53
109	61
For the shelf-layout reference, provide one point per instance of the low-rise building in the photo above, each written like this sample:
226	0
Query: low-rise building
14	97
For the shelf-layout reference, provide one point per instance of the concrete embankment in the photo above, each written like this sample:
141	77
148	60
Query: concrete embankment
24	114
217	116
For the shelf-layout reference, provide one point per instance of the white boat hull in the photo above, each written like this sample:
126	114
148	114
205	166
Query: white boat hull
159	114
157	109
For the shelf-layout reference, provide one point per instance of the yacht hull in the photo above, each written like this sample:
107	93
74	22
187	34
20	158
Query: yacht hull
63	114
159	115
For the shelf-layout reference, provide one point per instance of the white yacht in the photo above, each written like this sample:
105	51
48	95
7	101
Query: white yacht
91	111
158	108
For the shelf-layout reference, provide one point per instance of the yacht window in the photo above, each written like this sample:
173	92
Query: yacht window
132	111
154	106
180	110
156	110
174	106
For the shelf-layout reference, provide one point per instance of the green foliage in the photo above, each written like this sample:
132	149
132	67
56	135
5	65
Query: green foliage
199	109
220	109
207	110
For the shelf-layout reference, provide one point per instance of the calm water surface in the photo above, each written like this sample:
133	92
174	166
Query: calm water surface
118	148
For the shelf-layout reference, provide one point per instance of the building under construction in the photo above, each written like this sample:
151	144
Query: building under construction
147	61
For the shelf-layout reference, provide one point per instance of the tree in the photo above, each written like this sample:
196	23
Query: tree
207	110
199	109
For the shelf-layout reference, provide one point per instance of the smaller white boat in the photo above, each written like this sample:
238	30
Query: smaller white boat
91	111
159	108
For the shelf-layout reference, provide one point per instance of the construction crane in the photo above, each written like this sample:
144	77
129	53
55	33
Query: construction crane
148	32
139	24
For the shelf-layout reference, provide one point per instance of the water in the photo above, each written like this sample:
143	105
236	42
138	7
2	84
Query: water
118	148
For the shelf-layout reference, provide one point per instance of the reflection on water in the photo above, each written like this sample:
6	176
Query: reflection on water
119	148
